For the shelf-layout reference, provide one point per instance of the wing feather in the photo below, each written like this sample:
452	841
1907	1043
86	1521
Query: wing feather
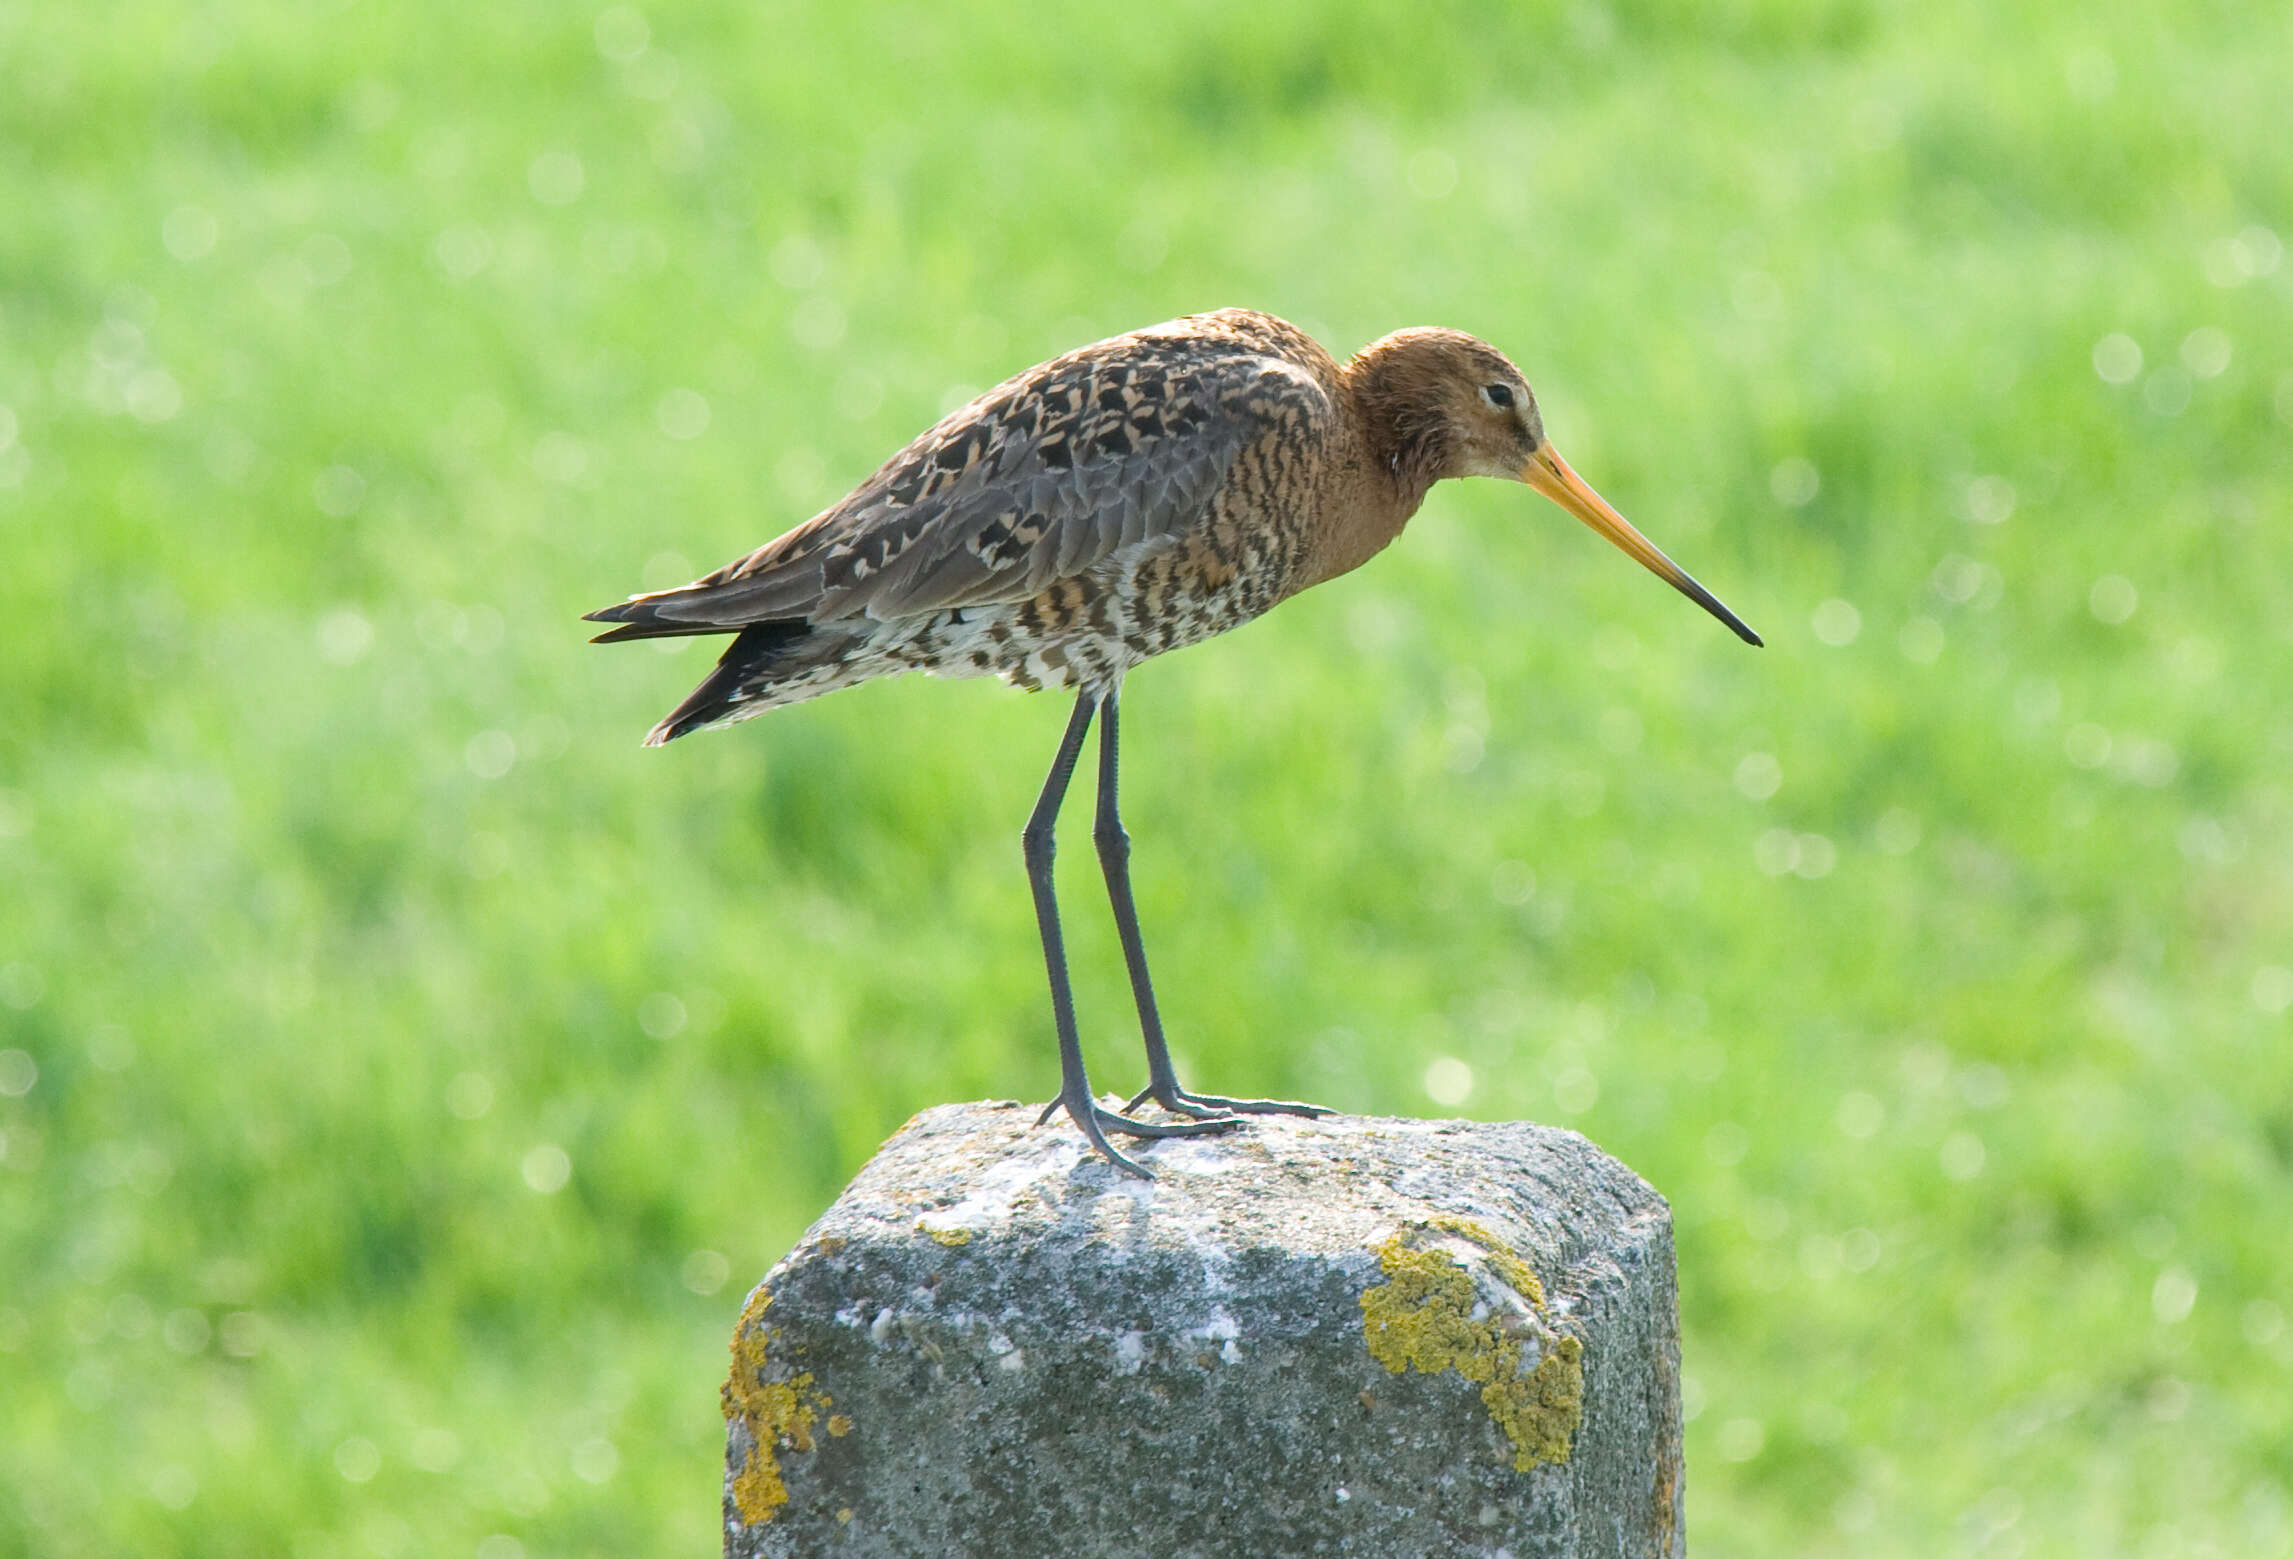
1036	480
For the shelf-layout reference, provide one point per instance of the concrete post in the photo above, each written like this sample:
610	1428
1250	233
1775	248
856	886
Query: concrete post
1351	1336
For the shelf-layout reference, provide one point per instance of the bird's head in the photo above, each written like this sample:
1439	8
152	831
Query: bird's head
1440	403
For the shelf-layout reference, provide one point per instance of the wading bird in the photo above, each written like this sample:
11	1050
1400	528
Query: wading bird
1132	497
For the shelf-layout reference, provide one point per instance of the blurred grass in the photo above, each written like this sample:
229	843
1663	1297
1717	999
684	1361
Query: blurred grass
401	1073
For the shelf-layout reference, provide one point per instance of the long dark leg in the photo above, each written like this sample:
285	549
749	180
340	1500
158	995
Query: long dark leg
1074	1084
1115	861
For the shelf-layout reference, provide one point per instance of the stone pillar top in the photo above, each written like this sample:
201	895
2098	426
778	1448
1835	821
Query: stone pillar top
1347	1335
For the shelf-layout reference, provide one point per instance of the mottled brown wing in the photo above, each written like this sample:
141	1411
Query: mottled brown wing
1038	479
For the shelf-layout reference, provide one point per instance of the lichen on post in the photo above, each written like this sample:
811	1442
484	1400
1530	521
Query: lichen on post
776	1412
1433	1315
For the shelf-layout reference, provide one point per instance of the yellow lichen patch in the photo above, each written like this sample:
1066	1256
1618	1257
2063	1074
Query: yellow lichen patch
1516	1272
947	1234
1540	1414
778	1413
1422	1319
839	1425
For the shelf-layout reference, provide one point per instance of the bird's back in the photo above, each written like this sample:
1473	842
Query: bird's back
1138	493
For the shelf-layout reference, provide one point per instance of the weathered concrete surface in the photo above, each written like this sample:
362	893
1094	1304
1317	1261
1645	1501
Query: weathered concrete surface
1345	1337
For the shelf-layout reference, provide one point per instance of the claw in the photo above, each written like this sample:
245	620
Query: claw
1096	1121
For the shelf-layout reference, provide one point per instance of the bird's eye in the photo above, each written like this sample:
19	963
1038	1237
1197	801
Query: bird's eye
1498	395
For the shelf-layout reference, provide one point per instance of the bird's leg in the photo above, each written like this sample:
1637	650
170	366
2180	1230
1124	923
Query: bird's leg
1115	862
1074	1084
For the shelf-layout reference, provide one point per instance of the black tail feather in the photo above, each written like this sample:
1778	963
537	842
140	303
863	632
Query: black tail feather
653	630
744	670
642	618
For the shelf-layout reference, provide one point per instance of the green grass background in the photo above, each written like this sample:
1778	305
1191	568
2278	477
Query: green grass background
402	1074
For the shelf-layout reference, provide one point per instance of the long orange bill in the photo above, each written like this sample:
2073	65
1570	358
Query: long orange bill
1549	474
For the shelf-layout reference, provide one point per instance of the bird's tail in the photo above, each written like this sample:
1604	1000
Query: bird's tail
740	685
646	617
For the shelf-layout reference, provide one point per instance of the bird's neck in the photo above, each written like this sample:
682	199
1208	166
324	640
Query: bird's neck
1401	445
1375	492
1411	438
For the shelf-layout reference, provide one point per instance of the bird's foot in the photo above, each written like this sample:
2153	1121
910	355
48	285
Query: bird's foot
1210	1106
1097	1120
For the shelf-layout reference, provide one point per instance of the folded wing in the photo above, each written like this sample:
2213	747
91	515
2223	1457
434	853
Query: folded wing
1118	445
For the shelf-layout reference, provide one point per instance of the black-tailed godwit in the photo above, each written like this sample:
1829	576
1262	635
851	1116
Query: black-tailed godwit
1132	497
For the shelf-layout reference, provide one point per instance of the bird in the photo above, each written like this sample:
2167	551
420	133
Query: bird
1132	497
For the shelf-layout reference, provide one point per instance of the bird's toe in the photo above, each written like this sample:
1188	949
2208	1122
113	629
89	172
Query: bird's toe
1206	1106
